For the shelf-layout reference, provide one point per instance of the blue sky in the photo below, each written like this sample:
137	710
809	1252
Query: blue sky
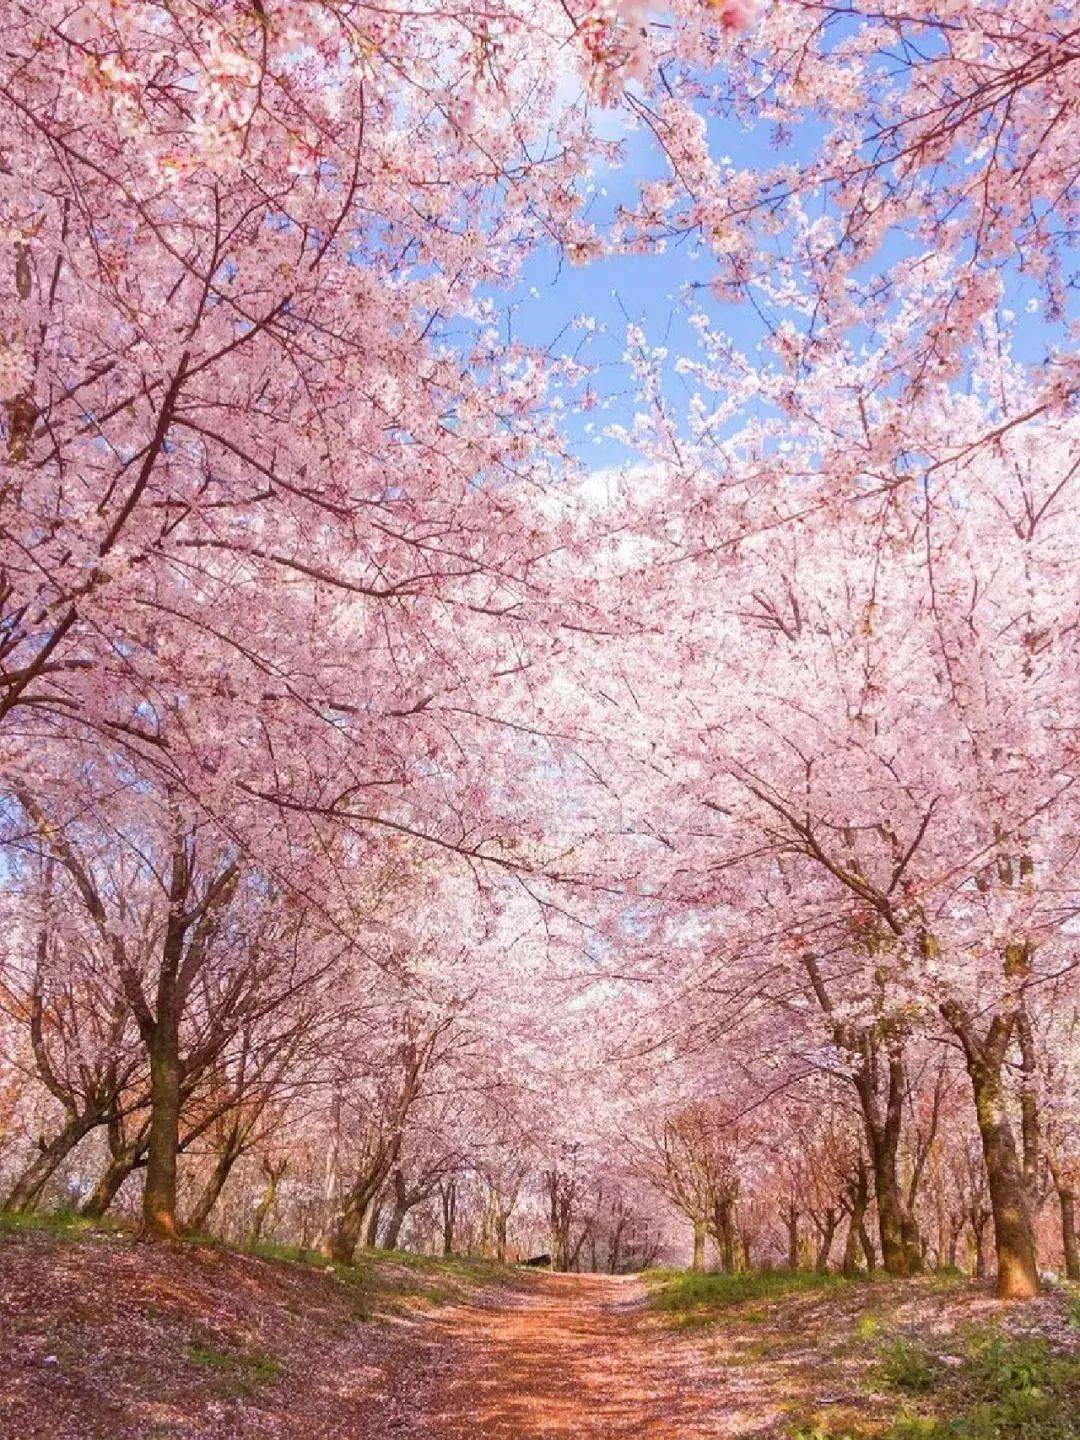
652	290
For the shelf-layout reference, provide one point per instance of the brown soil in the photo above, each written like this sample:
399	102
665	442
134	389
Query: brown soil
580	1356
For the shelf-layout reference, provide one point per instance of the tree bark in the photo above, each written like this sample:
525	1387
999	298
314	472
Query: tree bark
393	1228
1018	1274
1014	1237
402	1206
698	1262
900	1250
615	1240
159	1194
899	1235
830	1220
27	1189
212	1189
448	1194
346	1226
108	1186
978	1231
956	1225
791	1221
343	1235
1069	1243
1029	1106
371	1226
859	1200
868	1248
273	1172
727	1249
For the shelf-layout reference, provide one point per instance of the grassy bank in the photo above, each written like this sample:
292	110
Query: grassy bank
930	1359
108	1338
695	1297
983	1386
384	1275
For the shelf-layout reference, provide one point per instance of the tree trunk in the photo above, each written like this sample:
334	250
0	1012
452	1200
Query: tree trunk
899	1235
698	1262
954	1240
575	1254
723	1231
449	1213
108	1186
1014	1239
333	1154
265	1205
159	1195
900	1249
855	1230
727	1249
615	1242
27	1189
1069	1242
212	1189
501	1220
560	1251
828	1230
893	1255
978	1231
393	1229
307	1225
868	1248
1029	1107
791	1219
343	1232
371	1224
858	1197
343	1235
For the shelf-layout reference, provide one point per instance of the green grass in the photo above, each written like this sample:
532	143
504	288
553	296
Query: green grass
945	1277
822	1430
68	1224
239	1373
369	1262
463	1267
293	1254
695	1297
1004	1389
999	1388
909	1367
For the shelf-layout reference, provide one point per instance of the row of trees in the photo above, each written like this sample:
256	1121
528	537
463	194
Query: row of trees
369	787
182	1040
867	846
798	1187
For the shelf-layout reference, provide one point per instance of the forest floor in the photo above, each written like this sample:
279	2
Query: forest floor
106	1337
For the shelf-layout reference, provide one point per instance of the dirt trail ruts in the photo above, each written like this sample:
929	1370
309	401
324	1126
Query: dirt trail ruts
579	1355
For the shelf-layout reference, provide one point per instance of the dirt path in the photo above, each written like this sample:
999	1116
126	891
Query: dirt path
581	1356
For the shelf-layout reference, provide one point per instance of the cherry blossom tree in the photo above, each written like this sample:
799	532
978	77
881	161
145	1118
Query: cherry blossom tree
394	830
881	709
